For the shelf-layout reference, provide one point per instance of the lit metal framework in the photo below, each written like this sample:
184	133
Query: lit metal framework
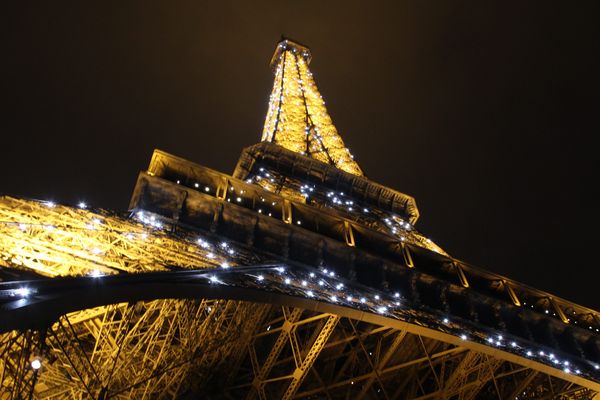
295	277
297	118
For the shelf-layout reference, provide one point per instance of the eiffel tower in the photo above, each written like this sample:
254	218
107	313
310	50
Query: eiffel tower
296	277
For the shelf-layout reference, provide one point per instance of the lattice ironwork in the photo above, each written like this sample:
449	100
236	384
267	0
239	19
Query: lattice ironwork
297	118
254	307
56	240
167	348
143	350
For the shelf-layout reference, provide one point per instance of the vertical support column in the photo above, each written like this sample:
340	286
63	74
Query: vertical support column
512	294
262	372
221	192
348	234
286	212
461	275
407	256
559	311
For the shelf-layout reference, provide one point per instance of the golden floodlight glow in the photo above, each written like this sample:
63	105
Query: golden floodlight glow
330	266
297	118
55	240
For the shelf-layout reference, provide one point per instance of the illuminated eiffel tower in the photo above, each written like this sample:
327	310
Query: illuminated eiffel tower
295	277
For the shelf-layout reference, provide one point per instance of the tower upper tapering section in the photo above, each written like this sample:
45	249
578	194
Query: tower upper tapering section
297	118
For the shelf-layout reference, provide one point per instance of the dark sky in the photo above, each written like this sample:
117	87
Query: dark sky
485	113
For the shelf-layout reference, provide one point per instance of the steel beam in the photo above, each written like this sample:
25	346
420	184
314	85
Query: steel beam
311	356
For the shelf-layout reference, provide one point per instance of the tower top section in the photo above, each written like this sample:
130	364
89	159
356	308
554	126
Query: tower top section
297	118
290	45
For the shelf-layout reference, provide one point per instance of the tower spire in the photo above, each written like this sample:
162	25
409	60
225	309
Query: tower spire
297	118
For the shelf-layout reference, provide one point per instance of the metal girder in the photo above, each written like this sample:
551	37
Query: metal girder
474	368
287	118
423	377
385	371
128	350
537	385
137	350
522	385
17	350
382	362
59	241
262	371
301	351
91	344
314	351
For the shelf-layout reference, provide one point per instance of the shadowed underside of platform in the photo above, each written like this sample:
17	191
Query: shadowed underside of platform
170	348
235	349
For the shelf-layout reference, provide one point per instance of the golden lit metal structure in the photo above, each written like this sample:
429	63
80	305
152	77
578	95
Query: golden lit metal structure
55	240
297	118
296	277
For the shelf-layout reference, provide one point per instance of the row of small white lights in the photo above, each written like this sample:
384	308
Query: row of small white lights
322	284
383	308
393	222
262	175
155	223
337	199
152	221
498	341
225	247
305	190
546	311
82	204
239	199
211	249
51	204
231	189
147	219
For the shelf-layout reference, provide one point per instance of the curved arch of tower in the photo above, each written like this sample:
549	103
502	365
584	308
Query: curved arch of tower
294	277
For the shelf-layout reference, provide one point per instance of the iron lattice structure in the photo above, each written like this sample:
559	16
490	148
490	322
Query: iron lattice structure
297	118
295	277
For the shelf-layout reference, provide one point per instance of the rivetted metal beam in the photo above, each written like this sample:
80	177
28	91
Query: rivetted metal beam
264	369
387	370
54	297
523	384
392	348
310	358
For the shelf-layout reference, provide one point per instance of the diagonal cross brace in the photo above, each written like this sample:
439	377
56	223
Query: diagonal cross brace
311	356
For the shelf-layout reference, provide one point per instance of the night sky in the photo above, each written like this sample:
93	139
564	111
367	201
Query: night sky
485	113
